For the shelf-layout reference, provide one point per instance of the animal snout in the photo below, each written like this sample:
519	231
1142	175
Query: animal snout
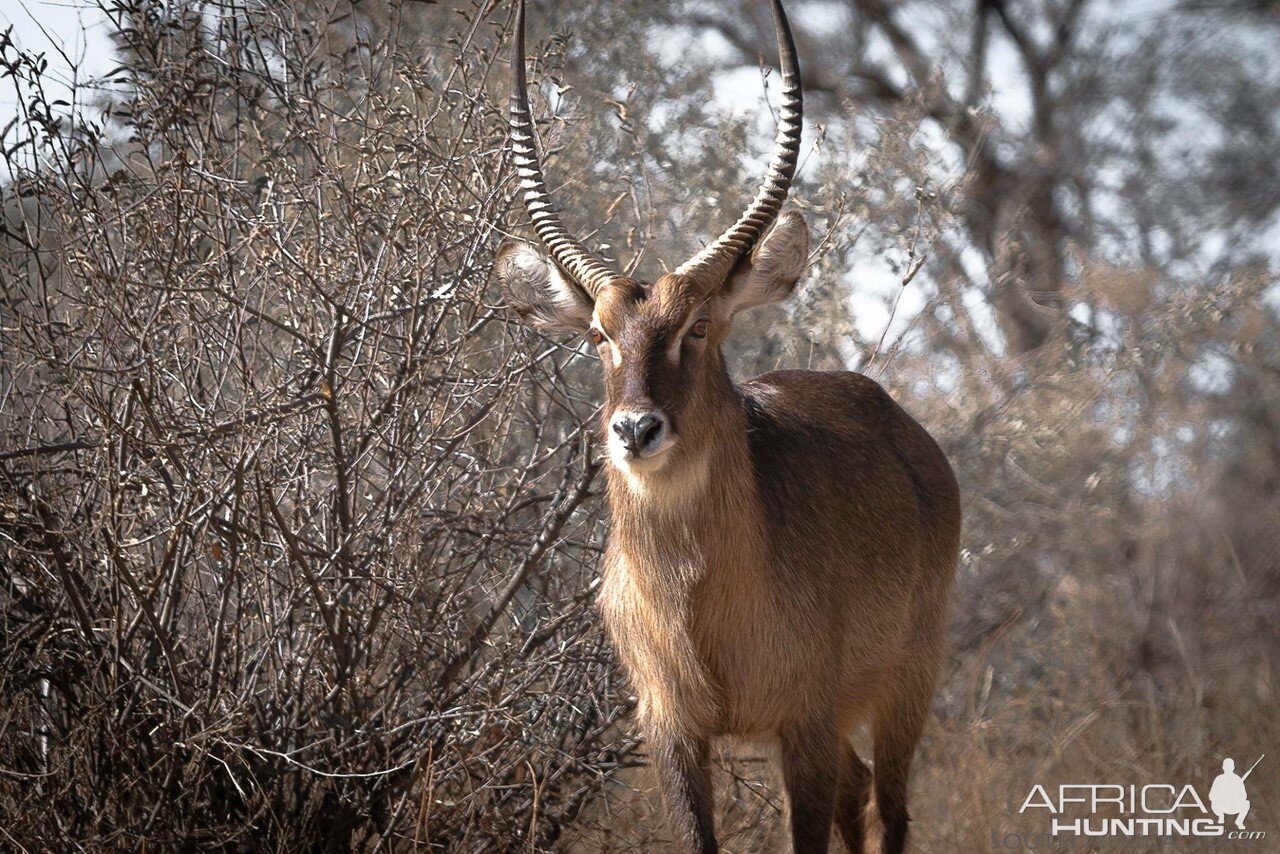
641	433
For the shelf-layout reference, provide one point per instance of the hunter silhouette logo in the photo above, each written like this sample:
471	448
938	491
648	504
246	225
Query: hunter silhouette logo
1087	810
1227	796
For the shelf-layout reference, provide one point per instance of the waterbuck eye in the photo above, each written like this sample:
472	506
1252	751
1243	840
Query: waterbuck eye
595	336
699	328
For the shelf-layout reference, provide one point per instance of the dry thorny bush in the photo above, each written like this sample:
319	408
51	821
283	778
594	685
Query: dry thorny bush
290	554
297	535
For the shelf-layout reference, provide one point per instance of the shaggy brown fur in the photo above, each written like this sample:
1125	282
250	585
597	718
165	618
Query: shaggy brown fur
782	569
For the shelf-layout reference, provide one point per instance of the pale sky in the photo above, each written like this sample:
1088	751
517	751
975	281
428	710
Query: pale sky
73	36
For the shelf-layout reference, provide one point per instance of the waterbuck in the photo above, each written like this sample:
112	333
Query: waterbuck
782	550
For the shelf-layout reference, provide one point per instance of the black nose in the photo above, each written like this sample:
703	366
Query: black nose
638	433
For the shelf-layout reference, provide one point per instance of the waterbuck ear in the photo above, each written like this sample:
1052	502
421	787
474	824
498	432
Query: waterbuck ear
538	291
775	265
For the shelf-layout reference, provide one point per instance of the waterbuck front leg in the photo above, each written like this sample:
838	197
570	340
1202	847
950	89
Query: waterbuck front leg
811	771
685	779
897	730
851	801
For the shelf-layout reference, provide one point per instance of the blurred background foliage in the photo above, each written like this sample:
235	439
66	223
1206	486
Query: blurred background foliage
298	530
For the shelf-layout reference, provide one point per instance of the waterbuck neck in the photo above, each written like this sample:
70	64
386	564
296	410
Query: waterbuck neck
701	514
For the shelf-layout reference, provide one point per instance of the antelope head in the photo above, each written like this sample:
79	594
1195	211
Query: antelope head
658	341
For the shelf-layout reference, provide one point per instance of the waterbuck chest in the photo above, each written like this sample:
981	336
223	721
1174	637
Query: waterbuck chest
708	643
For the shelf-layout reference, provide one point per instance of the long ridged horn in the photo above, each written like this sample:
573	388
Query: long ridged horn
586	269
713	264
